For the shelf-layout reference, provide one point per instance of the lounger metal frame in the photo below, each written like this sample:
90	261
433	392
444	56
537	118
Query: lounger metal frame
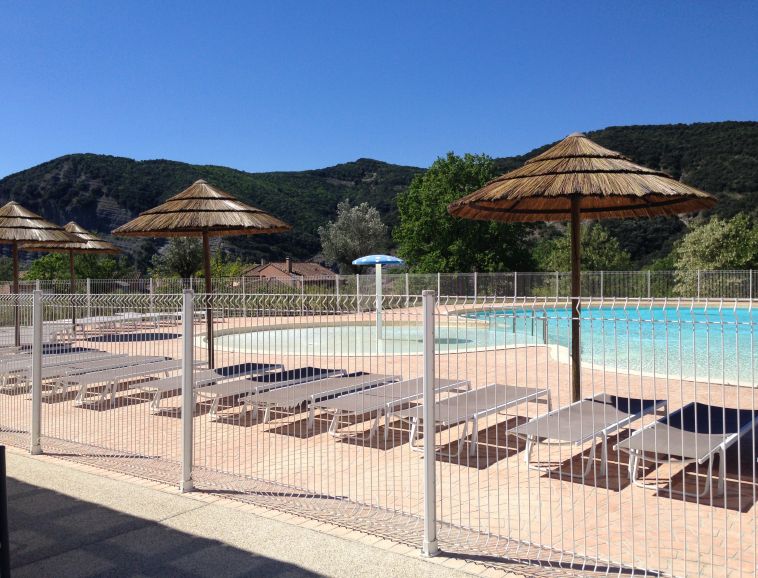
250	387
208	377
637	458
595	437
473	418
380	404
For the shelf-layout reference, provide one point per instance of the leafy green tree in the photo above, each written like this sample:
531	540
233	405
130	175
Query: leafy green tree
56	266
717	244
666	263
600	251
356	232
180	257
720	244
222	266
431	240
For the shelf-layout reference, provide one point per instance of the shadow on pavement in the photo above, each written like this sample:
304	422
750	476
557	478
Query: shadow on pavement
52	534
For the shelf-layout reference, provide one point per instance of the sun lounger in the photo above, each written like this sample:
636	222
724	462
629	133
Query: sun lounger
110	379
694	434
61	375
266	382
203	378
380	400
50	360
23	376
311	393
470	407
588	420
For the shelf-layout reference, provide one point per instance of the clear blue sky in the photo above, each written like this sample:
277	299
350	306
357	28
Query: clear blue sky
282	85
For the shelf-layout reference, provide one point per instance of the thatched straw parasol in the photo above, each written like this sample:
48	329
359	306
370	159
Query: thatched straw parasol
578	179
18	225
85	242
202	211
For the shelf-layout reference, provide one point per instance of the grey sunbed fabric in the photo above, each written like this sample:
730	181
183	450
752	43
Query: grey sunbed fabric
381	400
111	378
592	419
313	392
204	378
59	372
694	433
471	406
244	387
19	369
25	362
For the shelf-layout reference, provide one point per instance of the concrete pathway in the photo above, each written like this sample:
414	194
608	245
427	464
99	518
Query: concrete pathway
66	520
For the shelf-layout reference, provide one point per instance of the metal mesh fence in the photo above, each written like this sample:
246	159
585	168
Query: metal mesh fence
328	402
600	284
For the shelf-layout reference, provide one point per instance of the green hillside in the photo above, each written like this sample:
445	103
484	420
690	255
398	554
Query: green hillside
101	192
720	158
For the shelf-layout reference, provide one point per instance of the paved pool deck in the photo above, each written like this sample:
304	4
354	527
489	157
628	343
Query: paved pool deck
76	521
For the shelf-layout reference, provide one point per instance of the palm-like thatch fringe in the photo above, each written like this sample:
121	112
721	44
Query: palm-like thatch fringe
608	184
201	209
86	243
18	224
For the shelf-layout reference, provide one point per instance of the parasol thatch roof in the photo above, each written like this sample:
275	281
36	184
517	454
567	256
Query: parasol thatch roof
18	224
609	184
86	242
202	208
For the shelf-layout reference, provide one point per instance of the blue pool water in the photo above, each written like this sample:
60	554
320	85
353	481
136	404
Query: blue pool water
694	343
707	345
361	340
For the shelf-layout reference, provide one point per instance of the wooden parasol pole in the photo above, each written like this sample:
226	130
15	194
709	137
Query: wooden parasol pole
208	291
576	293
17	323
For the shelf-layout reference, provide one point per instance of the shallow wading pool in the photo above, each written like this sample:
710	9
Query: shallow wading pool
692	343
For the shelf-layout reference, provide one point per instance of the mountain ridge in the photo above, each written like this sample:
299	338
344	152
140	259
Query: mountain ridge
103	191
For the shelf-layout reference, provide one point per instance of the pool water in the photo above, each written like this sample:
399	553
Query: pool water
357	340
691	343
707	345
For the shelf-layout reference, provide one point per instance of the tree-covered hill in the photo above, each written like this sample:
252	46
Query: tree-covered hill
101	192
720	158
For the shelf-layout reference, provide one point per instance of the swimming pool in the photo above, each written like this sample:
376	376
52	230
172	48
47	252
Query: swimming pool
691	343
361	339
706	344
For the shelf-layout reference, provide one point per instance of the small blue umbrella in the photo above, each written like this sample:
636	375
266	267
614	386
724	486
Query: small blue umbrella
378	261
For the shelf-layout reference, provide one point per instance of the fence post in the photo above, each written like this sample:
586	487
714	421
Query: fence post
35	446
151	289
602	284
244	299
37	285
302	295
476	284
698	283
750	285
188	394
515	284
337	285
439	285
557	284
89	297
358	292
649	285
407	291
429	547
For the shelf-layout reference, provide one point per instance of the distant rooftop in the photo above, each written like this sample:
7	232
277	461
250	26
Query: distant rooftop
288	268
